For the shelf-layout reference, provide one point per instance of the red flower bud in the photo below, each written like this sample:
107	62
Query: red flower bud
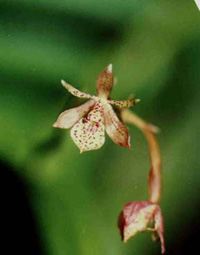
141	216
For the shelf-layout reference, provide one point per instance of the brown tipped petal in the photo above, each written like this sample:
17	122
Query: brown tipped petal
74	91
68	118
115	129
105	82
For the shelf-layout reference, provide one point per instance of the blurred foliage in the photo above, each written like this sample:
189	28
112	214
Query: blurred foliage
155	50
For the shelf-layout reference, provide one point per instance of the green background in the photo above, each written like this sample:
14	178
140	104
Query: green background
154	47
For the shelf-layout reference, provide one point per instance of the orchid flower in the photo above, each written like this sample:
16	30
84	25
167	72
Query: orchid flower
139	216
89	121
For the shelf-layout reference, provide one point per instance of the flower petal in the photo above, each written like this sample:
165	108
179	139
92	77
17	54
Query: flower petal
68	118
136	217
75	92
89	133
116	130
104	82
159	227
124	103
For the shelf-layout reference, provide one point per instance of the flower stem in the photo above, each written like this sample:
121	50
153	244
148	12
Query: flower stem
155	180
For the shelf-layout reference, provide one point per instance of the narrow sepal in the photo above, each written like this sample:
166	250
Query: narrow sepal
104	82
124	103
115	129
76	92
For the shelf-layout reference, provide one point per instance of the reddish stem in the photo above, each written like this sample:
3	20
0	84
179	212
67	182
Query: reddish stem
155	181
